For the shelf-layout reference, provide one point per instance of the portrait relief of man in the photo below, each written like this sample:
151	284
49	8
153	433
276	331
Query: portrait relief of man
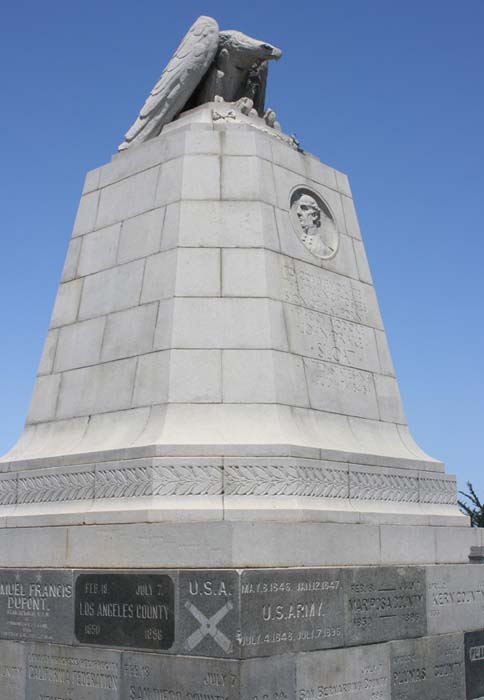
317	230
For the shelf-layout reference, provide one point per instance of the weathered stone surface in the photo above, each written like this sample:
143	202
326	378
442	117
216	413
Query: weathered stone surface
431	668
146	676
36	604
126	609
455	598
208	613
286	610
347	674
474	664
12	670
66	673
384	603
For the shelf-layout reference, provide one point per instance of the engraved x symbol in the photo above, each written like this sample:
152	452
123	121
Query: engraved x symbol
208	627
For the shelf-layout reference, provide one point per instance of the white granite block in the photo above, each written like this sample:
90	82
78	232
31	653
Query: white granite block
44	398
164	326
171	226
247	178
345	261
339	389
91	181
159	277
227	224
70	265
198	272
368	311
79	344
362	262
97	389
145	156
141	235
286	181
195	376
321	173
343	183
201	177
245	142
202	141
244	273
98	250
127	198
86	214
389	401
288	157
66	303
351	221
48	354
129	332
263	376
112	290
407	544
386	363
228	323
170	182
152	379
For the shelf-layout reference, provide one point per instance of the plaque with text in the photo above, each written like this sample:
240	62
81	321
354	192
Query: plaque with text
12	670
69	673
290	610
430	668
126	610
474	664
384	603
36	604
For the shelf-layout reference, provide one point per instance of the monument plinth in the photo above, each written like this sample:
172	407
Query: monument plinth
216	493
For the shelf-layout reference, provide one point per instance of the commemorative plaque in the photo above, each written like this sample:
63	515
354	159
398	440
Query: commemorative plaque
36	604
126	610
455	598
347	674
67	673
208	612
430	668
474	664
12	670
290	610
384	603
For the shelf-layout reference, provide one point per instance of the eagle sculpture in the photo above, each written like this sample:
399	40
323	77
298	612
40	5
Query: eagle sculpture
209	65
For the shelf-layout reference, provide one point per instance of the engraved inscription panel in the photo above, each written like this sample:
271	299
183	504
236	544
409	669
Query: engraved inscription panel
455	598
67	673
12	670
384	603
290	610
209	610
322	337
347	674
341	389
150	677
430	668
127	610
474	664
36	604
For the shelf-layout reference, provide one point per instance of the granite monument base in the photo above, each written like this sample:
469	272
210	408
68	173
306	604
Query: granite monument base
395	633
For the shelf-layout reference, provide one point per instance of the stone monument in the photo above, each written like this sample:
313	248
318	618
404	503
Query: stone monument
216	494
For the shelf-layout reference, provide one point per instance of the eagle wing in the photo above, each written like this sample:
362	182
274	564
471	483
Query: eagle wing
176	84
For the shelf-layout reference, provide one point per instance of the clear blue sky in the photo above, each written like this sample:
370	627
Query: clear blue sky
391	93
